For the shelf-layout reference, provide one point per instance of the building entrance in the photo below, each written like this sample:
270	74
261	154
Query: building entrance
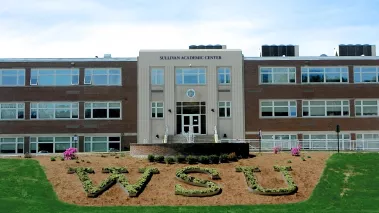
191	122
191	116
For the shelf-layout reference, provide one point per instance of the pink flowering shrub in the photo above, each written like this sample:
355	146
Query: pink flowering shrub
296	150
69	154
276	149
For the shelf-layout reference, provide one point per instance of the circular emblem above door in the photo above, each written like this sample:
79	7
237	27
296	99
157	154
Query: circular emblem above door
191	93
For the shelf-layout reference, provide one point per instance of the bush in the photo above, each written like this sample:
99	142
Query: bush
180	159
276	149
308	156
77	161
122	155
116	156
204	159
223	158
296	150
88	161
232	157
214	159
191	159
169	160
52	158
159	158
302	158
289	161
61	158
103	156
150	158
27	155
69	154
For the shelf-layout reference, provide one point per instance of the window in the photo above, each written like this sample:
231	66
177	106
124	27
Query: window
367	141
102	144
11	145
54	77
366	108
103	76
12	111
51	144
223	75
190	76
157	109
277	75
102	110
366	74
324	75
285	141
157	76
12	77
224	109
278	108
54	110
321	108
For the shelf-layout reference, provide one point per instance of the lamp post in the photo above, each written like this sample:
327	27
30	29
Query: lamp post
338	137
75	139
260	139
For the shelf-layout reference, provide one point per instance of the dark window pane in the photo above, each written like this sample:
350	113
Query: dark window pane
178	110
266	114
221	112
87	113
33	114
203	124
178	124
203	110
228	112
114	138
99	113
115	113
20	114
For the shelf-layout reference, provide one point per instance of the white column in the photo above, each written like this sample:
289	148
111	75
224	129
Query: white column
169	99
144	105
238	105
212	102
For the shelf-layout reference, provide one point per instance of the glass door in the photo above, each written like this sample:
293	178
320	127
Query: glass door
191	122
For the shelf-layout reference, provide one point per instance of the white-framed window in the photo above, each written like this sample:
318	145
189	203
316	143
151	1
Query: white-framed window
325	75
323	108
102	76
367	141
12	77
190	75
102	110
367	108
328	141
54	110
157	109
278	108
224	109
50	144
224	75
12	145
12	111
102	144
277	75
54	77
366	74
157	76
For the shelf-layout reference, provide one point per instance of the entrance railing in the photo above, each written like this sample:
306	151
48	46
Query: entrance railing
215	135
165	134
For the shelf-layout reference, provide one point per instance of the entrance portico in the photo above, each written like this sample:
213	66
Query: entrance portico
183	90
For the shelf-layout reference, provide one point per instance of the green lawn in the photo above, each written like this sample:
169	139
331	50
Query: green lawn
24	189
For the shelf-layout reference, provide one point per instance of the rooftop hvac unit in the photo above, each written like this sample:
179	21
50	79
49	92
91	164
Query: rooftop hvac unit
209	46
355	50
279	50
107	55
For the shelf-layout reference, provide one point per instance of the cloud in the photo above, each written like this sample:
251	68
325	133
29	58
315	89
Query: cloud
70	28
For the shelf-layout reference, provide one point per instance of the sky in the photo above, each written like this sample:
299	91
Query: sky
89	28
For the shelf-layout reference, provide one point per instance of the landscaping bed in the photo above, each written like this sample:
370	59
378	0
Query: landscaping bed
160	190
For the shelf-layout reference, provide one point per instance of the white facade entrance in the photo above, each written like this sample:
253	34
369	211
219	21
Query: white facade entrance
191	122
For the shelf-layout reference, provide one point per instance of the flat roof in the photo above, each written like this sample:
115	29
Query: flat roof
66	59
2	60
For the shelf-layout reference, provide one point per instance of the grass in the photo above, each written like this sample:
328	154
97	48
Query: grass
349	183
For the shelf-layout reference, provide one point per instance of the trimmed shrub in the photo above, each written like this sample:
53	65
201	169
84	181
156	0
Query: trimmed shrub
159	158
180	159
204	159
223	158
169	160
232	157
52	158
150	158
191	159
69	154
214	159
